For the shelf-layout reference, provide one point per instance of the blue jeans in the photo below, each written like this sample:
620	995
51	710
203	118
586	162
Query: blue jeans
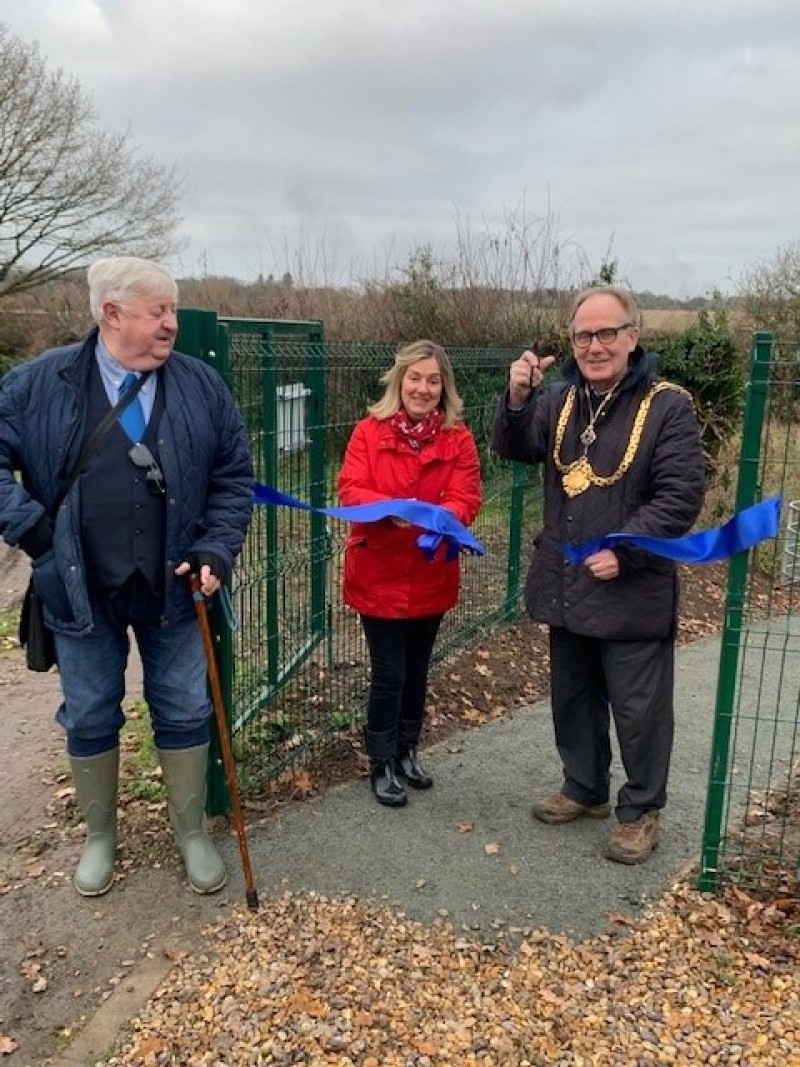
92	669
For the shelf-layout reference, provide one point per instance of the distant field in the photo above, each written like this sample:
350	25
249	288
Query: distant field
667	321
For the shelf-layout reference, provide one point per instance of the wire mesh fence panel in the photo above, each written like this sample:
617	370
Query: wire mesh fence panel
752	829
297	666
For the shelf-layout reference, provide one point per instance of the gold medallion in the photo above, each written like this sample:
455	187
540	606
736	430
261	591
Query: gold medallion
576	480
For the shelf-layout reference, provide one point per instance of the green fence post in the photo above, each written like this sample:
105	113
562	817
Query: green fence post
269	458
318	490
200	335
746	490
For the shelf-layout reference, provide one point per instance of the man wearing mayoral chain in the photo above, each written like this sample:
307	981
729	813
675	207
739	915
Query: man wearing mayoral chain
621	452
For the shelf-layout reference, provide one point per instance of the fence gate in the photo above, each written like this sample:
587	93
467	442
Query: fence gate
752	822
274	370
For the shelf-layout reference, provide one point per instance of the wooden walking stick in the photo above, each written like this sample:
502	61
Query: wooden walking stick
224	738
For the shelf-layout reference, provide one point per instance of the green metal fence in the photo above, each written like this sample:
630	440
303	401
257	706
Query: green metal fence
295	672
752	822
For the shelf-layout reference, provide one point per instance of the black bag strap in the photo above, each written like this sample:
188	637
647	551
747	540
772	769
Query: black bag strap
94	440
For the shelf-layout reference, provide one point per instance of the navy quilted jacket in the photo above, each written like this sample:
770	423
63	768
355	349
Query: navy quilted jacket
202	449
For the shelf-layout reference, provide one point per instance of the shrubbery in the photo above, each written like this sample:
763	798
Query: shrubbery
704	357
706	360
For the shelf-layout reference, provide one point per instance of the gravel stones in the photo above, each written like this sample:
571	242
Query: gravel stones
314	980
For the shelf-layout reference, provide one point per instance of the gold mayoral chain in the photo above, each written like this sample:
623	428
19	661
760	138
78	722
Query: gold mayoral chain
576	477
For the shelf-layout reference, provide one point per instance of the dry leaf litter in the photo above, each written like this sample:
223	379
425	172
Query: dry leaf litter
316	980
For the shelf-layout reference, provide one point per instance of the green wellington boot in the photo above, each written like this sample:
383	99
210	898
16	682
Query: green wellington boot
185	778
95	779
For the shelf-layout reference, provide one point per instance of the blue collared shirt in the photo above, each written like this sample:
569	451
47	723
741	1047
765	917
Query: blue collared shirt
113	376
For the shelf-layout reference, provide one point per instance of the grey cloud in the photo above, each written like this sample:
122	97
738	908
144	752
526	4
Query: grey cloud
672	127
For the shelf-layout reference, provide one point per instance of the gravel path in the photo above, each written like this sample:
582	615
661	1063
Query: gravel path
311	980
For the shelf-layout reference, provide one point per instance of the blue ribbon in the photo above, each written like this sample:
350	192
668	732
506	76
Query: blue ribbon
747	528
441	525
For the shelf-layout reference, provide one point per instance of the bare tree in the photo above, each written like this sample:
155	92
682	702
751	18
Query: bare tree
69	190
770	293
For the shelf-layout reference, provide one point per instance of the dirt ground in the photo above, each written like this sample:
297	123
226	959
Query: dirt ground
63	955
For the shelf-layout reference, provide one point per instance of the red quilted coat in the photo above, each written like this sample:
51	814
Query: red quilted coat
385	574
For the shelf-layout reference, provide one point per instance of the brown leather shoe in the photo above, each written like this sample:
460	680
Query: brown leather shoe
634	842
557	809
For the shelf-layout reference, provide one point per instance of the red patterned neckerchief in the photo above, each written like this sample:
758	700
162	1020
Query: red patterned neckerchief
417	433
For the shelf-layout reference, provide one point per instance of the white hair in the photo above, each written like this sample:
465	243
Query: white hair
122	278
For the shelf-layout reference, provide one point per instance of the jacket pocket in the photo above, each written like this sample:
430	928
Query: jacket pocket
50	588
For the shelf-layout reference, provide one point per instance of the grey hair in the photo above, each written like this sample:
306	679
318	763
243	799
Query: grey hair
623	296
451	403
122	278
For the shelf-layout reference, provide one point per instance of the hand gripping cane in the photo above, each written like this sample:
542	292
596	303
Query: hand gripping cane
225	743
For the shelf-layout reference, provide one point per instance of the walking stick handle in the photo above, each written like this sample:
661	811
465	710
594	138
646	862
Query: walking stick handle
201	612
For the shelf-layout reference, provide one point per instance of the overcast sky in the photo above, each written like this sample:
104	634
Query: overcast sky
343	133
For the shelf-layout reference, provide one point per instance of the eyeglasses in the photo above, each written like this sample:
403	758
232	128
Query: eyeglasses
141	456
606	336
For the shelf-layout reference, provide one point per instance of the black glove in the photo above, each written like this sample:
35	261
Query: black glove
219	566
39	539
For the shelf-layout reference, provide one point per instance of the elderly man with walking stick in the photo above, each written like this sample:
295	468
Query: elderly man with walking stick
135	474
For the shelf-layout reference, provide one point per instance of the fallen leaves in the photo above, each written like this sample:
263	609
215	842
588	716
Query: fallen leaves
32	967
7	1045
333	981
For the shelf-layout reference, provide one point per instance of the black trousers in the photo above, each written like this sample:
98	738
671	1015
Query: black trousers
400	655
592	679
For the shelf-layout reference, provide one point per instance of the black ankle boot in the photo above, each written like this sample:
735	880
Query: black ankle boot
385	785
409	768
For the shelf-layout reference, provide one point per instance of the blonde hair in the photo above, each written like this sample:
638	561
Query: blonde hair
390	403
122	278
624	297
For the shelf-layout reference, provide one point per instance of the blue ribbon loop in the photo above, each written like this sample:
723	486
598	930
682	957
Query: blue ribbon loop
746	529
440	524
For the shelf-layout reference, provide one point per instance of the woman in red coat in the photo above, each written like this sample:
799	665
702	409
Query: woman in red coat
412	445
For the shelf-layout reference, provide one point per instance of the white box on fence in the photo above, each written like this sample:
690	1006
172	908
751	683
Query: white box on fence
292	417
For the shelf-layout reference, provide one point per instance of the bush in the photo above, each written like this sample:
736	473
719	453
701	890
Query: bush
705	359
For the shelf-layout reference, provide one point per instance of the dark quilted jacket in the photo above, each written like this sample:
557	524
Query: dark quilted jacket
660	495
202	448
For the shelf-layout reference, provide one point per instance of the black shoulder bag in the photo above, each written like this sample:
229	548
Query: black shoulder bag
34	634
